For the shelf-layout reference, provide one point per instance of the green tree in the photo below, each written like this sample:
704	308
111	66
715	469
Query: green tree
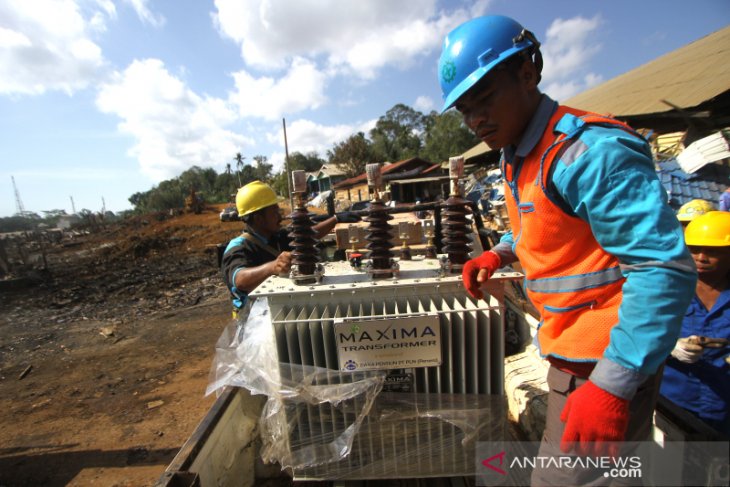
53	213
239	166
167	195
398	134
139	200
16	223
51	217
248	174
446	136
309	162
262	170
352	154
226	184
279	183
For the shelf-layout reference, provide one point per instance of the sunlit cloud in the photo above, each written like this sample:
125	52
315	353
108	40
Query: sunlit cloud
46	45
306	136
568	50
301	88
174	128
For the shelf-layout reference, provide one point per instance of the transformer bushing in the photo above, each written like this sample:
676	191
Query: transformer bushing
404	234
430	233
456	229
381	262
305	268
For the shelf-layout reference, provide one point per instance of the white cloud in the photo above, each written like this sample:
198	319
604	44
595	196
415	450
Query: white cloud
358	37
145	14
174	128
45	45
312	41
306	136
302	88
568	50
276	159
424	104
564	90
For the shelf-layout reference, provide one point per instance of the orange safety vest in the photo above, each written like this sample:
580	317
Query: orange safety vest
570	279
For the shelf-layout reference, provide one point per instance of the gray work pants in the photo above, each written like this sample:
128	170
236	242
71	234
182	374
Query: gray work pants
562	384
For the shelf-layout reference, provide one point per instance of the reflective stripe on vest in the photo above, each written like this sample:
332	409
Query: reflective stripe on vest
572	282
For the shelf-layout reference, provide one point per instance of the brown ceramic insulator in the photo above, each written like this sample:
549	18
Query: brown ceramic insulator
378	235
304	254
456	230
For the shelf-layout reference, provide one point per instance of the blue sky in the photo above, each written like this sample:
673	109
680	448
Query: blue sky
105	98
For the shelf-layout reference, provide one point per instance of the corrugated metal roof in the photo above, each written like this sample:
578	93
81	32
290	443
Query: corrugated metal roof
707	184
477	150
385	169
685	77
329	170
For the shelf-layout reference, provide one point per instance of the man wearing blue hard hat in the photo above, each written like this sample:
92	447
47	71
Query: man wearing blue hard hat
603	255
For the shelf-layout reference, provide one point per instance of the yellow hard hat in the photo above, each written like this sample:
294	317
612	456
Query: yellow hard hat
691	210
709	230
253	197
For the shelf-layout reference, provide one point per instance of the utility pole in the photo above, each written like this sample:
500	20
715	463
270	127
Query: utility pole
103	206
19	208
286	167
73	207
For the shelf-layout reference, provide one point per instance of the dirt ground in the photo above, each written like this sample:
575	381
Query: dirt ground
104	357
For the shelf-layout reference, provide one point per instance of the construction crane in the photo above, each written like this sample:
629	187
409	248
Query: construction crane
19	208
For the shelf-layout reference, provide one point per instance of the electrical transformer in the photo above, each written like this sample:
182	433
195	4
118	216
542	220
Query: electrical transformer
391	369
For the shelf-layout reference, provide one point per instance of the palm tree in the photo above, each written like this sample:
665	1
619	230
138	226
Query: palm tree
239	166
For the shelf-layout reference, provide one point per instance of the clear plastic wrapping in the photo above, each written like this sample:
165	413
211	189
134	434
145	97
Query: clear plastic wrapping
325	424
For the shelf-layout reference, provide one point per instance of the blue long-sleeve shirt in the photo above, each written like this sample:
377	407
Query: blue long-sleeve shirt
703	387
608	179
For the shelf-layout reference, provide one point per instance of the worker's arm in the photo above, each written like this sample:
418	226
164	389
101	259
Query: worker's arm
248	279
240	273
608	179
324	227
504	249
477	270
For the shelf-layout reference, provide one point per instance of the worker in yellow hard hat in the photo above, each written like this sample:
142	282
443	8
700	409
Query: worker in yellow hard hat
691	210
263	249
697	374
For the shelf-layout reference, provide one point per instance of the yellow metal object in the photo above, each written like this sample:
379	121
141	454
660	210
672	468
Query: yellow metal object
691	210
194	202
253	197
709	230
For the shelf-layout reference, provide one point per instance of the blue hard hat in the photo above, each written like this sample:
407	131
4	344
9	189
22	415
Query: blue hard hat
475	47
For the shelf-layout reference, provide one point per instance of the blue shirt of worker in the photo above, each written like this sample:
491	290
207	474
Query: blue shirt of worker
243	252
704	386
610	181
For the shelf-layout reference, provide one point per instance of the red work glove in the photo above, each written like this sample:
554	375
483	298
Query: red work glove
593	416
478	270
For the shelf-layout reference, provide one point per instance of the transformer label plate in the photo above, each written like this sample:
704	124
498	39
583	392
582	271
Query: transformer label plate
392	343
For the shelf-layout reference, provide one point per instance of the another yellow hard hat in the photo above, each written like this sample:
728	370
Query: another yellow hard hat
709	230
253	197
691	210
